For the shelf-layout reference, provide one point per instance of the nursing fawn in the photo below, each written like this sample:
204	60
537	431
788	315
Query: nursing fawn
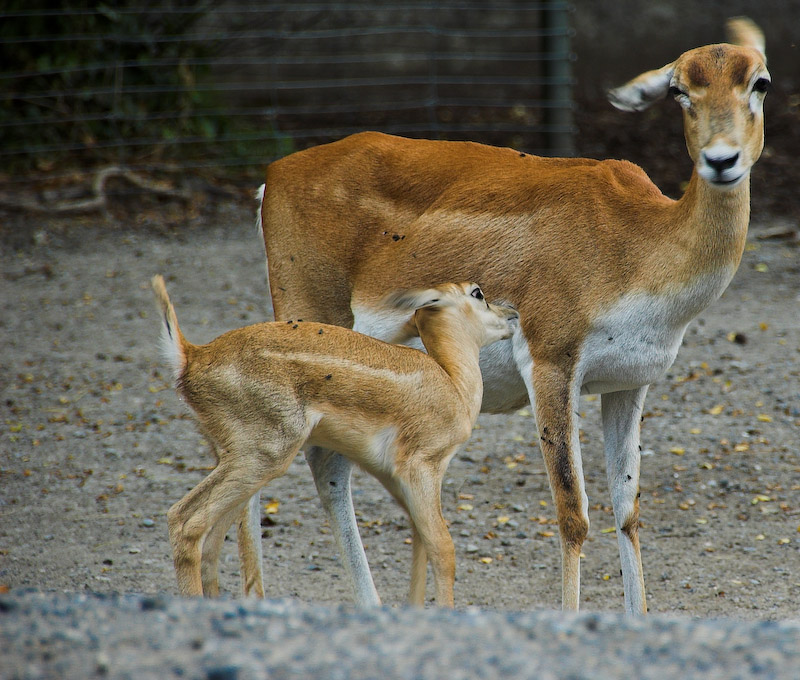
262	392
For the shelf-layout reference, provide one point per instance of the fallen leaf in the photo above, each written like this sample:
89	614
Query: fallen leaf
677	450
783	541
716	410
503	519
486	560
465	507
546	534
763	418
271	508
164	461
761	267
608	530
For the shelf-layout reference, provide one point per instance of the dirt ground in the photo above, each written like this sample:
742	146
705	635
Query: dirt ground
95	446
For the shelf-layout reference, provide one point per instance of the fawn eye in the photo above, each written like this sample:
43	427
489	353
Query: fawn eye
675	91
762	85
477	293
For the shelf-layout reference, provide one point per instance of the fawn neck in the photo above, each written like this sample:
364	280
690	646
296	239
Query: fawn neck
455	349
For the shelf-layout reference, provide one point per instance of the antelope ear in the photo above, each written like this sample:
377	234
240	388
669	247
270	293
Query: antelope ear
643	90
744	32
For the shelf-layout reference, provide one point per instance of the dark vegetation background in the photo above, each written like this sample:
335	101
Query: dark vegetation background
199	96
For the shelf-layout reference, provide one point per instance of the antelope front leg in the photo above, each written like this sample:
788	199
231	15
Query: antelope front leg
558	437
622	412
332	477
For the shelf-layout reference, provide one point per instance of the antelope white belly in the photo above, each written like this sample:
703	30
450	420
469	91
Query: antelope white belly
634	342
383	324
503	387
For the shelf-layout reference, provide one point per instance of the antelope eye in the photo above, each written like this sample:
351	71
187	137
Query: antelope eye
477	293
762	85
675	91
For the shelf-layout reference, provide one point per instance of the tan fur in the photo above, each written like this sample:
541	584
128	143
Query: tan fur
565	240
262	392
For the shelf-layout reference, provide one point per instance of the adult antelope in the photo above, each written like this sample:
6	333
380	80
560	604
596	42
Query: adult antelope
261	392
605	270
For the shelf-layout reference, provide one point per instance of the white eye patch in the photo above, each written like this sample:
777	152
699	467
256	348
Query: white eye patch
759	89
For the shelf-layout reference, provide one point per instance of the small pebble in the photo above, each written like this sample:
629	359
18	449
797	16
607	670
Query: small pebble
102	663
223	673
152	603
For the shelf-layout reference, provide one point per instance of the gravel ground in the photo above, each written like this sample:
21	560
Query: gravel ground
95	447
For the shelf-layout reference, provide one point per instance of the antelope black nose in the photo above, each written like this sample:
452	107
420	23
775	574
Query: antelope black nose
720	165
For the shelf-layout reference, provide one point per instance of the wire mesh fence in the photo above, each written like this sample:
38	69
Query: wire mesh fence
223	88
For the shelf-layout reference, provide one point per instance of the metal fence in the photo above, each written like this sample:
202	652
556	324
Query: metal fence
227	87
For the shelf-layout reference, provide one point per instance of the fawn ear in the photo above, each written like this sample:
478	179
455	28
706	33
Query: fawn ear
413	299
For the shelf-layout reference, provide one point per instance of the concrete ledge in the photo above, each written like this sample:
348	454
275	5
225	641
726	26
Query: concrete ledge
49	635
